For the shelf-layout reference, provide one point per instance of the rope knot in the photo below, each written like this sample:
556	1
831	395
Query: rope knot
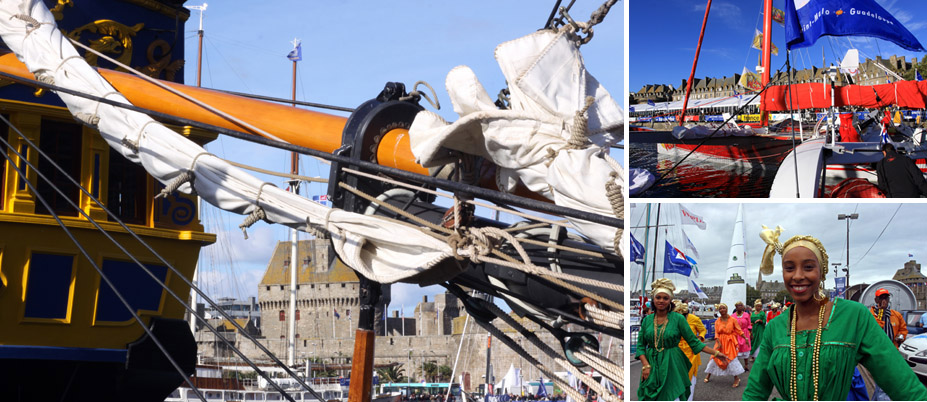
256	215
186	176
580	126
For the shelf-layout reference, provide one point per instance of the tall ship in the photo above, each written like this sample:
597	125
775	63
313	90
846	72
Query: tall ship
69	267
106	168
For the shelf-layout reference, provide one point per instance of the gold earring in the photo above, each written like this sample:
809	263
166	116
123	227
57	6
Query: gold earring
821	296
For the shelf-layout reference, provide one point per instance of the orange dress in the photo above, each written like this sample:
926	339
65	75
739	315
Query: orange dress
727	334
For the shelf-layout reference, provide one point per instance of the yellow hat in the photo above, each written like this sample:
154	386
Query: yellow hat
771	238
662	285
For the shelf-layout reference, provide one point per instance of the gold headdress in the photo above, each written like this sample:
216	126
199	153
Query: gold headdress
662	285
682	308
771	238
758	302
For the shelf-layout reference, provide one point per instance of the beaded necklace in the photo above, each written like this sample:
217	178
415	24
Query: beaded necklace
815	356
658	340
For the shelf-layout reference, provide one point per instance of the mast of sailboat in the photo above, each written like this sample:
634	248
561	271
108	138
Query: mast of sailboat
655	237
199	200
685	101
294	234
644	266
767	49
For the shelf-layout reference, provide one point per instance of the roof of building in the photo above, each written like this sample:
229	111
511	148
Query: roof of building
312	269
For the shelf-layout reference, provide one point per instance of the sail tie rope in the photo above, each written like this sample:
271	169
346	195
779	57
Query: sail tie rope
257	214
415	94
31	23
96	109
133	145
550	352
184	177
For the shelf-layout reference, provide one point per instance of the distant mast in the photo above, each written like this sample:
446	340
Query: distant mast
735	285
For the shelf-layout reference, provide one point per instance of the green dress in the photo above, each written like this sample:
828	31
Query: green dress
851	336
669	369
759	326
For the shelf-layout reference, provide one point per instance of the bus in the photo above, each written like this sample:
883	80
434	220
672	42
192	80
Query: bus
420	388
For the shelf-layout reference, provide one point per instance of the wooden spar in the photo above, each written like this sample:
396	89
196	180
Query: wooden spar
685	101
362	366
767	49
310	129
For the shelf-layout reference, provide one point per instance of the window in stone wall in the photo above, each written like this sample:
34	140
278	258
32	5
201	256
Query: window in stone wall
282	315
268	288
281	287
297	315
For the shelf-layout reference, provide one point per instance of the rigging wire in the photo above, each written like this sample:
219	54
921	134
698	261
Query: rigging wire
105	278
450	185
230	66
134	259
880	235
705	139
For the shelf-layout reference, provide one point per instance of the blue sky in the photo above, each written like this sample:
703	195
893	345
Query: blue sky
663	36
350	50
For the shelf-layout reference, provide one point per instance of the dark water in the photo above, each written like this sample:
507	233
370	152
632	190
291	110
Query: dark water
711	171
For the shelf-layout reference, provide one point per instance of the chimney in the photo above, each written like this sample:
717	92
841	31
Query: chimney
425	299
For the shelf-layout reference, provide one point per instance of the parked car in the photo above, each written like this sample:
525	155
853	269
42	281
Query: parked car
914	350
912	317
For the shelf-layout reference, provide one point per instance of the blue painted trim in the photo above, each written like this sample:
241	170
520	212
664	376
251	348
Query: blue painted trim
59	353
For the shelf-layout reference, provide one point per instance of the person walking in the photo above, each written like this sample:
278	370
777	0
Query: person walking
727	340
665	368
696	359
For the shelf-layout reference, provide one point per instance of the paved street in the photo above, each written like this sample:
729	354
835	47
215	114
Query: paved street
719	389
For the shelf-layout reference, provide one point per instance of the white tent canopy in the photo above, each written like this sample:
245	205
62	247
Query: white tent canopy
725	101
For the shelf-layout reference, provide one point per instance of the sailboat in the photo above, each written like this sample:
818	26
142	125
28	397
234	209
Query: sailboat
735	287
803	164
387	158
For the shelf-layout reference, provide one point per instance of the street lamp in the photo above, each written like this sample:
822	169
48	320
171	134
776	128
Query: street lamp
848	218
832	72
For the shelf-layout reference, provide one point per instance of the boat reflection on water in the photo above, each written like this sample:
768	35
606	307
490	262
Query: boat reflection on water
742	170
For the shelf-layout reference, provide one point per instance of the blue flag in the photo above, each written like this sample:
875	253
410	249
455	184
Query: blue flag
650	102
917	75
542	390
631	109
674	262
637	251
297	53
693	288
808	20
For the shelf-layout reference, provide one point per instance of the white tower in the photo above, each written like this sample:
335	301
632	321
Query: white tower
735	284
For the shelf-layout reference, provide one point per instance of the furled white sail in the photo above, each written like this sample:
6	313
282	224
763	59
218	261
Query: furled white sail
531	141
377	248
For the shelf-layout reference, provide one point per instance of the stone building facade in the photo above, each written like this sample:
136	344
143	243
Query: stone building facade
435	332
712	87
912	276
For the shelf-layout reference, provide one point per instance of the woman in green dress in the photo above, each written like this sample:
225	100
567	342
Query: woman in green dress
665	368
810	351
759	325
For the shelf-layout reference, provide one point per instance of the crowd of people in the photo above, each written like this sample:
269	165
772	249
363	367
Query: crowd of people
809	351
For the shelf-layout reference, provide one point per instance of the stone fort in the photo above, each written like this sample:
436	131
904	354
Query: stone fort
325	287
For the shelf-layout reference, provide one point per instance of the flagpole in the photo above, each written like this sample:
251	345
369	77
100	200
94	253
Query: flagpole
294	250
685	101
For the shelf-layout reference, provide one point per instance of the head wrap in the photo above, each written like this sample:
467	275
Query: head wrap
776	305
662	285
718	306
682	308
758	302
771	238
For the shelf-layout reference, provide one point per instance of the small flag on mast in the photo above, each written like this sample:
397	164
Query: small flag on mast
297	53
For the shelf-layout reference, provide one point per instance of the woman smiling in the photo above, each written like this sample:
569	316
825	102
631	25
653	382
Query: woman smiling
815	332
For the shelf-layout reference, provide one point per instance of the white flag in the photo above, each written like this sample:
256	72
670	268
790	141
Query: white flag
692	251
688	218
693	288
